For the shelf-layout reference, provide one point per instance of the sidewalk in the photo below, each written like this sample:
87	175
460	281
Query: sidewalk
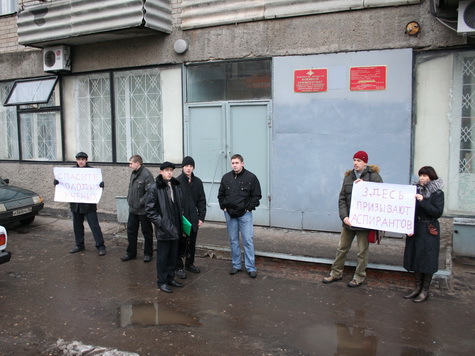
317	249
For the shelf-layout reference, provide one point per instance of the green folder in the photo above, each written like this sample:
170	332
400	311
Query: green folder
186	225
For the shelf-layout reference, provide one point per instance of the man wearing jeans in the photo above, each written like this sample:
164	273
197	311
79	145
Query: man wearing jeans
239	194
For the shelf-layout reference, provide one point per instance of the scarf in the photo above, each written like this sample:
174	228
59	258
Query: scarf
429	188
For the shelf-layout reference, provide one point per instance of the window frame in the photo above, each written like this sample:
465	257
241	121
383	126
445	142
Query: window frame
114	110
43	81
36	107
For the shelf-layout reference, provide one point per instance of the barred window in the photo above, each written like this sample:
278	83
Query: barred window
139	115
136	122
8	125
40	131
39	138
93	116
467	127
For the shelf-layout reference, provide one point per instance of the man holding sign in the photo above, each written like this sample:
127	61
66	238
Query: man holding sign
80	190
360	172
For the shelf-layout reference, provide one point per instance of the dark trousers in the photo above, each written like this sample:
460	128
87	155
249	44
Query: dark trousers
133	230
167	252
186	250
78	225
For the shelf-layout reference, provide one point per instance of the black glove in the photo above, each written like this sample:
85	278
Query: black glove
101	184
55	182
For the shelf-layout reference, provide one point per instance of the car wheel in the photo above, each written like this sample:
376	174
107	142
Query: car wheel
27	221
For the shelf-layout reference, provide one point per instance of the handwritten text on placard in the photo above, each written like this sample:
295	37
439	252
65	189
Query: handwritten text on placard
78	185
382	206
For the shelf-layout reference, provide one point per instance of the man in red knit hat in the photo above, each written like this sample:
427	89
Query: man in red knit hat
361	172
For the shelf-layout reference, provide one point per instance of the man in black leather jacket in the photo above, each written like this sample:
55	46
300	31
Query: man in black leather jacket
239	194
140	179
164	209
194	207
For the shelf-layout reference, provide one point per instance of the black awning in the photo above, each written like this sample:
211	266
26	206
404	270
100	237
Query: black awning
31	91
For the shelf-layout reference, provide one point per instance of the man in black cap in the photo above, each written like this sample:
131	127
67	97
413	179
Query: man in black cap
86	211
164	209
194	209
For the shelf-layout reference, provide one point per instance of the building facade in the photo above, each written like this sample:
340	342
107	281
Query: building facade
296	87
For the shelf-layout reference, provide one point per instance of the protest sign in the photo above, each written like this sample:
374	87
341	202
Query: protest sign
78	185
382	206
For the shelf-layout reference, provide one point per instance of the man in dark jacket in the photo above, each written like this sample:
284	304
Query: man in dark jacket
140	179
360	172
239	194
164	209
86	211
194	208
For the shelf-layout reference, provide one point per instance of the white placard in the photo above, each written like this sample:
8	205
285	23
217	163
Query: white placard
382	206
78	185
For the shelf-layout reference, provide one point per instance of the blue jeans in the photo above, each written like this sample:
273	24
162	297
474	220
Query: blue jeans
243	225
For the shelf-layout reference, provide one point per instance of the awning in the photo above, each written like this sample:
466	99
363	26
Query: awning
31	91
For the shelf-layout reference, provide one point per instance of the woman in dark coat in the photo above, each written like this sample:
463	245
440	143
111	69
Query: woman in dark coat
421	253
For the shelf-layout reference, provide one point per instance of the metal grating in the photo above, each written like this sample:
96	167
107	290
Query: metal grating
139	115
93	117
72	21
467	127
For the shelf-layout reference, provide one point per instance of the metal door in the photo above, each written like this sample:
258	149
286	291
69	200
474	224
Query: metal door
214	132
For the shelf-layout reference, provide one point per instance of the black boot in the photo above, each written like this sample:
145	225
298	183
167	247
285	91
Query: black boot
424	294
418	288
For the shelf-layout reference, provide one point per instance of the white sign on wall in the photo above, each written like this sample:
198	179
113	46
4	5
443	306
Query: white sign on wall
78	185
382	206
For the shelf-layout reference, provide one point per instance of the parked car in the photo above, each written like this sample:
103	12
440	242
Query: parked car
4	255
18	204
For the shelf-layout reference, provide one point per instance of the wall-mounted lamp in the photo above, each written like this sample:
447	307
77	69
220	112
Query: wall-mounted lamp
413	28
180	46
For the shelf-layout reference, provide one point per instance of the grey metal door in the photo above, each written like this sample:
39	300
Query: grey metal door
214	132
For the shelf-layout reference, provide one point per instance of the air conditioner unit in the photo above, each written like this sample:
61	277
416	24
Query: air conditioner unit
466	17
57	59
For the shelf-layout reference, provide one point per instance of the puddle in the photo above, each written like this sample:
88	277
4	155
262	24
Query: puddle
338	339
152	314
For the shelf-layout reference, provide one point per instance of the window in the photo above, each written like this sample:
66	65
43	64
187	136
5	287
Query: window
39	123
39	138
245	80
139	115
8	125
40	130
137	121
467	127
93	116
8	7
462	134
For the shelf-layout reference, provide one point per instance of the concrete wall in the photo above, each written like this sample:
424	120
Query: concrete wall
363	30
431	130
372	29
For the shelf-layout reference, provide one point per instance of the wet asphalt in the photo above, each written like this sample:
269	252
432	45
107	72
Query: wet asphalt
56	303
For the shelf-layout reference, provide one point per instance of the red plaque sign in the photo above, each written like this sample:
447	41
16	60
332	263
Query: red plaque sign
368	78
310	80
